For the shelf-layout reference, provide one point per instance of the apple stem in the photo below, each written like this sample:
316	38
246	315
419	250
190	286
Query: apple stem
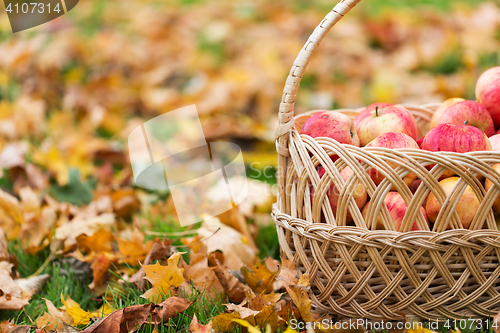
376	111
466	122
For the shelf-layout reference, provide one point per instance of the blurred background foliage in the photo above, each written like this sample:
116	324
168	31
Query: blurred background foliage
72	90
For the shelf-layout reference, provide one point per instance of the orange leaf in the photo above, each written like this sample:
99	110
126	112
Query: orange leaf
163	278
196	327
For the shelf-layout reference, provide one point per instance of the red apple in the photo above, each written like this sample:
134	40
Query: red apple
392	140
360	196
471	112
495	142
467	206
367	112
414	187
419	141
488	184
439	111
456	138
397	209
391	118
333	125
488	92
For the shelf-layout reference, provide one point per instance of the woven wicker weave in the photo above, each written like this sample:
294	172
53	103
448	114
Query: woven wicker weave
357	271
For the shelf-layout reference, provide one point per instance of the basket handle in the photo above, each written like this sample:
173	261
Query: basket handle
285	115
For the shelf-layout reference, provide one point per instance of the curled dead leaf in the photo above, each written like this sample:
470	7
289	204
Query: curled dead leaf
196	327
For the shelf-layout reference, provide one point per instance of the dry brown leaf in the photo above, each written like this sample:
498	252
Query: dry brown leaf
163	278
259	277
49	322
4	251
286	310
169	308
233	244
131	318
159	251
233	288
268	316
126	320
288	272
259	302
125	202
133	251
224	322
242	310
80	226
7	326
202	277
57	314
234	219
100	265
196	327
37	229
13	297
101	241
12	216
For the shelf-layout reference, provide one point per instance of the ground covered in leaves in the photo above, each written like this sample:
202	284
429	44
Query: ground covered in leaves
82	248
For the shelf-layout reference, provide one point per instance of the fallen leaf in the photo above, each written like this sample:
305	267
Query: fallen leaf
224	322
133	251
57	314
159	251
7	326
4	251
196	327
80	316
80	226
12	214
202	277
288	272
268	317
126	320
49	322
233	244
259	277
100	266
101	241
242	310
131	318
233	288
163	278
234	219
169	308
13	297
244	323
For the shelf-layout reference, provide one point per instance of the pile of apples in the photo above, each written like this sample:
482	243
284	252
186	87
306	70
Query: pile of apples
457	125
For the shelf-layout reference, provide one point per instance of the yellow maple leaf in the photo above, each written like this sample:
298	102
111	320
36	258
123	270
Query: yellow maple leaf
163	278
259	277
80	316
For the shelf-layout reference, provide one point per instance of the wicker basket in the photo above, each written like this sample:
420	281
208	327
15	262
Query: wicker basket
357	271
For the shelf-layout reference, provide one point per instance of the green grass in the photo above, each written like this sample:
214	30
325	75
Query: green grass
66	280
63	280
